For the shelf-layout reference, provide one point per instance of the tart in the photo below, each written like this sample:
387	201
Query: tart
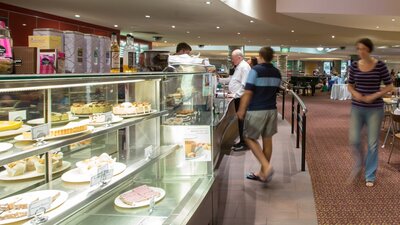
10	125
80	108
128	108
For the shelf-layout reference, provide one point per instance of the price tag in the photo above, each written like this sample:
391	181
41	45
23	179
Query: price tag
149	152
40	131
17	115
108	117
39	206
104	173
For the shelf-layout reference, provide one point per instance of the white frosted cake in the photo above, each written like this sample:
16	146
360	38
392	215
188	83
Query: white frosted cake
128	108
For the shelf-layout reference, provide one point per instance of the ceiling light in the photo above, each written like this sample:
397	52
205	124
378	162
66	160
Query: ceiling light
188	32
396	46
218	27
147	16
292	31
333	36
320	48
173	26
251	21
377	27
24	24
77	16
198	36
393	20
382	47
238	33
208	3
115	25
165	41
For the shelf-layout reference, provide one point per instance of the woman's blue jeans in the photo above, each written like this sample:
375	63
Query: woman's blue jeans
372	119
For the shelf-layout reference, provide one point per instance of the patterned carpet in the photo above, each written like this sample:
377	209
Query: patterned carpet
329	163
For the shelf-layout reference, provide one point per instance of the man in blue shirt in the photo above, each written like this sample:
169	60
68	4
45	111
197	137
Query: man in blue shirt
258	109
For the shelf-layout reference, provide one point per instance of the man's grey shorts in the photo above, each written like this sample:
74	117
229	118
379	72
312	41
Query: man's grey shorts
262	123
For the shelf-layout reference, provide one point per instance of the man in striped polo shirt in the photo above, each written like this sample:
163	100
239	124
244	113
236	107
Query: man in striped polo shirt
259	100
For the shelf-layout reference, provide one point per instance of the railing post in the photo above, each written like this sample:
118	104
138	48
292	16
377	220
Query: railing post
283	104
298	126
303	143
292	114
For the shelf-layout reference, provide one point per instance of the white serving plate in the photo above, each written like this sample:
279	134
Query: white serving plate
21	138
75	176
32	174
59	201
4	146
7	133
115	119
41	121
118	202
137	115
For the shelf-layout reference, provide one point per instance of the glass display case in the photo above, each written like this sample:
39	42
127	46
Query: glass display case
105	149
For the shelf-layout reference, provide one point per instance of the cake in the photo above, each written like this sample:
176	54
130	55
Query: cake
128	108
90	108
56	162
16	168
174	121
138	194
185	112
30	163
10	125
56	117
90	166
70	128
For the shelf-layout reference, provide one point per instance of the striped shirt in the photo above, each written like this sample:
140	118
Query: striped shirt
368	83
264	81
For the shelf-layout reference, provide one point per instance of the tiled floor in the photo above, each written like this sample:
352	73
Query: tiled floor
287	199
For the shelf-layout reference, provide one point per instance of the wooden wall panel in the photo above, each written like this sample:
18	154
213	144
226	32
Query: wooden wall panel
21	27
45	23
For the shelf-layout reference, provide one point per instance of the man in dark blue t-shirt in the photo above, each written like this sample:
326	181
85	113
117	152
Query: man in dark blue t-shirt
259	100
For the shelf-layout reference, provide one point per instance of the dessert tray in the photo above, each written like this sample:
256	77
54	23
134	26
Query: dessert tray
41	121
139	197
32	174
115	119
22	138
137	114
7	133
8	215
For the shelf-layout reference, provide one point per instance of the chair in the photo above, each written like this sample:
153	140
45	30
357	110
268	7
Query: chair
395	122
388	114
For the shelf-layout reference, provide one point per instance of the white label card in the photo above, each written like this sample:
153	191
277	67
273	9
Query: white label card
108	117
40	131
104	173
17	115
39	206
149	152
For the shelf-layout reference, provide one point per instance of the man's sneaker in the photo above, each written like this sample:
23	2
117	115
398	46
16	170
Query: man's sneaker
239	147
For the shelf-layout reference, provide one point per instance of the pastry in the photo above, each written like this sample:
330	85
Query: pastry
12	214
16	168
40	165
90	166
185	112
138	194
10	203
10	125
128	108
90	108
56	117
30	163
58	157
25	202
70	128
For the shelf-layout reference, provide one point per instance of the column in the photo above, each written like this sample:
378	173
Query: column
282	65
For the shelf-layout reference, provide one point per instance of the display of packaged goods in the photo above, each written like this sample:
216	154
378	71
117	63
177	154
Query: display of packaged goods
26	60
48	61
92	46
6	56
60	62
46	42
50	32
90	108
74	48
128	108
104	54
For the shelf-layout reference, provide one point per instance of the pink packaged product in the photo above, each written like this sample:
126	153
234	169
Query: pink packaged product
47	63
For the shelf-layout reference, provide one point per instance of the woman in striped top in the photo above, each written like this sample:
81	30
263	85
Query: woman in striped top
365	78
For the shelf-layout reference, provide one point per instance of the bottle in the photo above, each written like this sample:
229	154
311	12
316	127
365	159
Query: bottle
115	61
129	62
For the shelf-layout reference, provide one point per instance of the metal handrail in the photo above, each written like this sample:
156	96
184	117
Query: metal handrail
300	121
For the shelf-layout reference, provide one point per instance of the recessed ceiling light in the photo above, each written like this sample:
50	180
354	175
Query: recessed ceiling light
188	32
198	36
377	27
165	41
115	25
147	16
333	36
382	47
292	31
218	27
173	26
24	24
238	33
77	16
208	2
396	46
251	21
393	20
